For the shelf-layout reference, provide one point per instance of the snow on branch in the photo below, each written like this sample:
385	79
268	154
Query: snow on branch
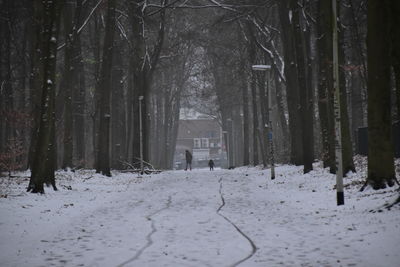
273	52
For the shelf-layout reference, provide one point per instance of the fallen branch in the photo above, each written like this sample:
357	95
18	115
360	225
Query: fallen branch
146	171
136	166
146	163
87	178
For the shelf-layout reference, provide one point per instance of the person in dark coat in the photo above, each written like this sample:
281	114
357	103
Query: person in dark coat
211	164
189	157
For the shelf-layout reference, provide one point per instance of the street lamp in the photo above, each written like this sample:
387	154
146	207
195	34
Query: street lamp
141	134
270	140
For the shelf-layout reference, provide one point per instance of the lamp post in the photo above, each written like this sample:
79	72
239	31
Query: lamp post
269	126
141	134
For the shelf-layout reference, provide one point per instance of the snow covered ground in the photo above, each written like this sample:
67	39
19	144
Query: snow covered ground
199	218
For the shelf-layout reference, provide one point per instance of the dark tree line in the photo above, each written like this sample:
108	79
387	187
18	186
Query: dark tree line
75	73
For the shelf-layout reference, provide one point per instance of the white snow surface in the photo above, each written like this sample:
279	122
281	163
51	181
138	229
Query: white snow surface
199	218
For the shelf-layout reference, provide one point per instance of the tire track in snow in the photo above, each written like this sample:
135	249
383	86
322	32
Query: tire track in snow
149	235
253	246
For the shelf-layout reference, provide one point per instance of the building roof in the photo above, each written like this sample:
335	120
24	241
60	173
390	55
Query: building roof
199	128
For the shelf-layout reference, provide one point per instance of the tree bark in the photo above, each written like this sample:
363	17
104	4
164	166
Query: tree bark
44	162
358	74
395	34
7	83
78	91
380	147
305	91
118	120
36	75
139	79
95	42
245	108
263	131
142	75
79	107
347	146
295	126
253	89
104	88
66	85
325	84
310	78
282	118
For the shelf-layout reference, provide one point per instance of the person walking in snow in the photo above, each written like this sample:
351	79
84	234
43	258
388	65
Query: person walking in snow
211	164
189	157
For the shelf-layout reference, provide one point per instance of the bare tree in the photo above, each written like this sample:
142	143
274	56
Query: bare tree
291	74
325	84
104	88
380	147
45	153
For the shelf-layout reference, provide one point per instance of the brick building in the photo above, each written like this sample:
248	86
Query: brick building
202	137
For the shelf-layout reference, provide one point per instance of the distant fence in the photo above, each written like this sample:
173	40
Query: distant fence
362	140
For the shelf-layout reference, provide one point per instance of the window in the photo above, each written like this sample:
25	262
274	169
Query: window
211	134
204	143
197	143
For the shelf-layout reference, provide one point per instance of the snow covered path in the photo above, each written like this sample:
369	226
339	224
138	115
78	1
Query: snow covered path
200	218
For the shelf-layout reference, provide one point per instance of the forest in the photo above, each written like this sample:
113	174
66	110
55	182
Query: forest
98	84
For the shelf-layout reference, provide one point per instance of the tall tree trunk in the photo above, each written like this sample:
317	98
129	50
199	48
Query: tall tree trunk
310	78
36	75
347	147
175	127
245	108
2	120
129	105
160	122
395	34
24	106
282	118
7	85
45	155
118	121
325	84
78	92
359	75
104	88
356	102
289	51
95	41
139	76
253	88
357	42
143	74
380	147
67	84
304	90
167	127
79	106
263	131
